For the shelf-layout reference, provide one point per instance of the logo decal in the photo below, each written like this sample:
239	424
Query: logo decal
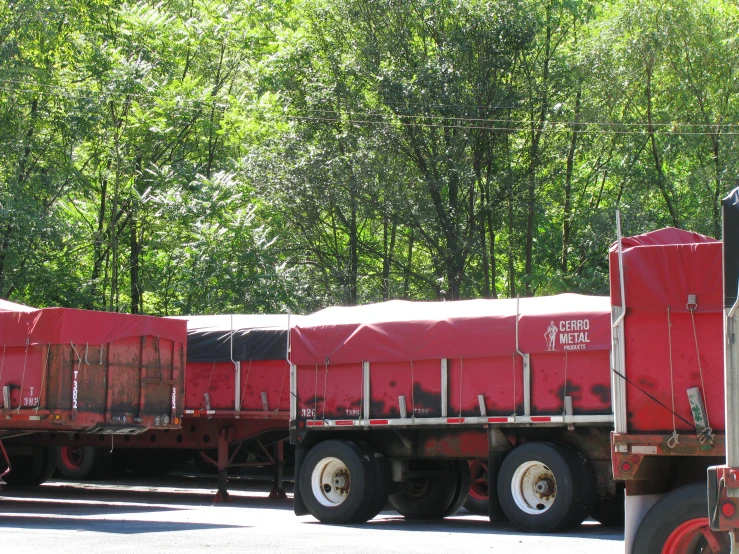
551	336
569	334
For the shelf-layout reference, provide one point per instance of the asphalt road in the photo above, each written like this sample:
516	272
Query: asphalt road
180	516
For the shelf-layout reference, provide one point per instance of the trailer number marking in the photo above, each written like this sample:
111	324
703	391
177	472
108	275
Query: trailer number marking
174	398
74	390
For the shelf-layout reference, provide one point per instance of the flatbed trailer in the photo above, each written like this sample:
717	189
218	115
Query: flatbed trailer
389	402
84	372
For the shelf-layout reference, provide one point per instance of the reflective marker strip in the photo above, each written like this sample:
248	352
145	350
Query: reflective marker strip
379	422
314	423
455	420
344	422
497	420
199	412
23	417
535	419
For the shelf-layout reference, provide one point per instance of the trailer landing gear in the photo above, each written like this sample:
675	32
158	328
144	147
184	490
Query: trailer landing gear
224	436
278	491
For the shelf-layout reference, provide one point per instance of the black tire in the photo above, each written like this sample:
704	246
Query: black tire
380	484
33	470
427	497
343	475
478	498
610	511
663	521
461	489
567	496
83	462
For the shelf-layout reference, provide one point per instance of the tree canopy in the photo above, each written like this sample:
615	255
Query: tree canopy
206	156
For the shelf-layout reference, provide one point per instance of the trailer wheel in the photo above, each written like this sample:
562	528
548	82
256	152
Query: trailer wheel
30	471
461	470
380	484
678	524
546	487
478	500
428	496
336	481
83	462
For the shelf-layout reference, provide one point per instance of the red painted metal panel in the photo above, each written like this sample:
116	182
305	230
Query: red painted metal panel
270	376
217	379
419	381
588	382
499	379
648	366
330	391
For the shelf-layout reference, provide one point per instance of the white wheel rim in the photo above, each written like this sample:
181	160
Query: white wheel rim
534	488
330	482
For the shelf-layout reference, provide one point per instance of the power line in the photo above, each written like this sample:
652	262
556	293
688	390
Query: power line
416	120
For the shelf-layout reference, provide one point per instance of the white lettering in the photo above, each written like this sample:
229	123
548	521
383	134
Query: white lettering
574	325
74	391
174	398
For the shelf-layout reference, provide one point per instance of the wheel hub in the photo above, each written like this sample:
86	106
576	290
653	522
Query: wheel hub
533	487
331	482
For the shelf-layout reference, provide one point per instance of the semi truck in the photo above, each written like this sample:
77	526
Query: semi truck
83	372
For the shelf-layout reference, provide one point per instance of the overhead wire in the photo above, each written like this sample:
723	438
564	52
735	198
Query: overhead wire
420	120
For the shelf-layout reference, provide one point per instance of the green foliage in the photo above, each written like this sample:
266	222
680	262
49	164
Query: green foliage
204	156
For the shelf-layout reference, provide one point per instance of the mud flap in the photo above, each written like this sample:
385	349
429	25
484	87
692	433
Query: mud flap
298	505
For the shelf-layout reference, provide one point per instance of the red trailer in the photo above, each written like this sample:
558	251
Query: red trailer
85	372
236	405
390	401
668	390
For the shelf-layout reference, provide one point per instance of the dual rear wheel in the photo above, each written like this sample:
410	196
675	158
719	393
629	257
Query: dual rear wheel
541	487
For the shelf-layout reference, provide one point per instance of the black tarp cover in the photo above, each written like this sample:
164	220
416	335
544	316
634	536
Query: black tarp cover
222	338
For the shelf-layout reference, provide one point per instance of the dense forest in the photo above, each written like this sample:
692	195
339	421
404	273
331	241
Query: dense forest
210	156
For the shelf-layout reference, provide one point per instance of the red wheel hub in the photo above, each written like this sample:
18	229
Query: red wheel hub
695	536
479	480
72	457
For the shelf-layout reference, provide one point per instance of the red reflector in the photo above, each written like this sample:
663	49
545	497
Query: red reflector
540	418
455	420
728	509
379	422
497	420
626	467
345	422
315	423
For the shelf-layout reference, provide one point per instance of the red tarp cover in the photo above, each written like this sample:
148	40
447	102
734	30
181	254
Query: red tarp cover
668	349
663	267
400	330
66	325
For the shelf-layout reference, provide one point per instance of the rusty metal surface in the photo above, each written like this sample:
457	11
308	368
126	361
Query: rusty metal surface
196	433
125	386
642	457
466	444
